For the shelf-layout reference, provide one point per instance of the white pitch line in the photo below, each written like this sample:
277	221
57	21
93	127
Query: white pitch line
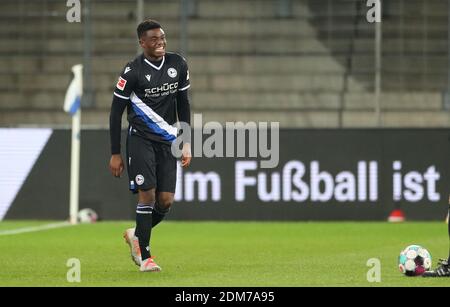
34	229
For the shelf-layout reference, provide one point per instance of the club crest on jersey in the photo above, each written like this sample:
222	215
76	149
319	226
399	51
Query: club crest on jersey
139	179
127	69
121	83
148	77
172	72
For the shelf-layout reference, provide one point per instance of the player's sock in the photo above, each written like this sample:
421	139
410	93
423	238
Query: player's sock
448	261
158	215
144	228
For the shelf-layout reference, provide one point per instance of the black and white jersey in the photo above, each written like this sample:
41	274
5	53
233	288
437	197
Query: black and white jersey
150	89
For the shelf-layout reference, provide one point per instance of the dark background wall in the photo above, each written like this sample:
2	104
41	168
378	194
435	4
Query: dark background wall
45	194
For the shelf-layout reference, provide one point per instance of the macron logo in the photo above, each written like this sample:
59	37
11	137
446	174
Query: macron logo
127	69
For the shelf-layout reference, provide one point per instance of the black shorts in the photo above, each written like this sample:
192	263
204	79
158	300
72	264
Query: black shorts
150	165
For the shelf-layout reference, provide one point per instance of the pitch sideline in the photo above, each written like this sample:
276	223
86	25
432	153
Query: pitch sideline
35	228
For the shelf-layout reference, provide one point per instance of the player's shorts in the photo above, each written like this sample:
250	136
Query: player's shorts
150	165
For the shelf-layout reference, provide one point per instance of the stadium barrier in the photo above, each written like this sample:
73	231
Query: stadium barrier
322	174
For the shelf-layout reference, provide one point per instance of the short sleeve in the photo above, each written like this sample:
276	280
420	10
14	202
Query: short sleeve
184	82
126	82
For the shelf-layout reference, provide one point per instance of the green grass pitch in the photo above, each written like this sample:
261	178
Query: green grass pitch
220	254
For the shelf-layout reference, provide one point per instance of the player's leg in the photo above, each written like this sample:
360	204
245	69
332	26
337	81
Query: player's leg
166	177
164	201
141	168
443	269
132	148
144	212
144	215
448	226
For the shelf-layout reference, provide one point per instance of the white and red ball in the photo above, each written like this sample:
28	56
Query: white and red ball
87	215
414	260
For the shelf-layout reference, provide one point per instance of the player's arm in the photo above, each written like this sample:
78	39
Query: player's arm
184	114
120	100
115	124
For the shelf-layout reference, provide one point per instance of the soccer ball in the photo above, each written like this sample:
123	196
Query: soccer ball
414	260
87	216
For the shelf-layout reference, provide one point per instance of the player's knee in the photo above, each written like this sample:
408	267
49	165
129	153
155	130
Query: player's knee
165	203
147	196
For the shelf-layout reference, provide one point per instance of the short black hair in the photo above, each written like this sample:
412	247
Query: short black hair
148	24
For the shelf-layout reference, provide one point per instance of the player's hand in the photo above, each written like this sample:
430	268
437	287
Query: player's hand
116	165
186	155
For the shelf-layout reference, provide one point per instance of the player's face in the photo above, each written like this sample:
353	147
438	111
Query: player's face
154	43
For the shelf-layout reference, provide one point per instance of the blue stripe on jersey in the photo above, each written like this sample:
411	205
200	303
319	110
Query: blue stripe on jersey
153	126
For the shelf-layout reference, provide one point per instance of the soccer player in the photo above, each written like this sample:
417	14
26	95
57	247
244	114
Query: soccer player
443	269
154	89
